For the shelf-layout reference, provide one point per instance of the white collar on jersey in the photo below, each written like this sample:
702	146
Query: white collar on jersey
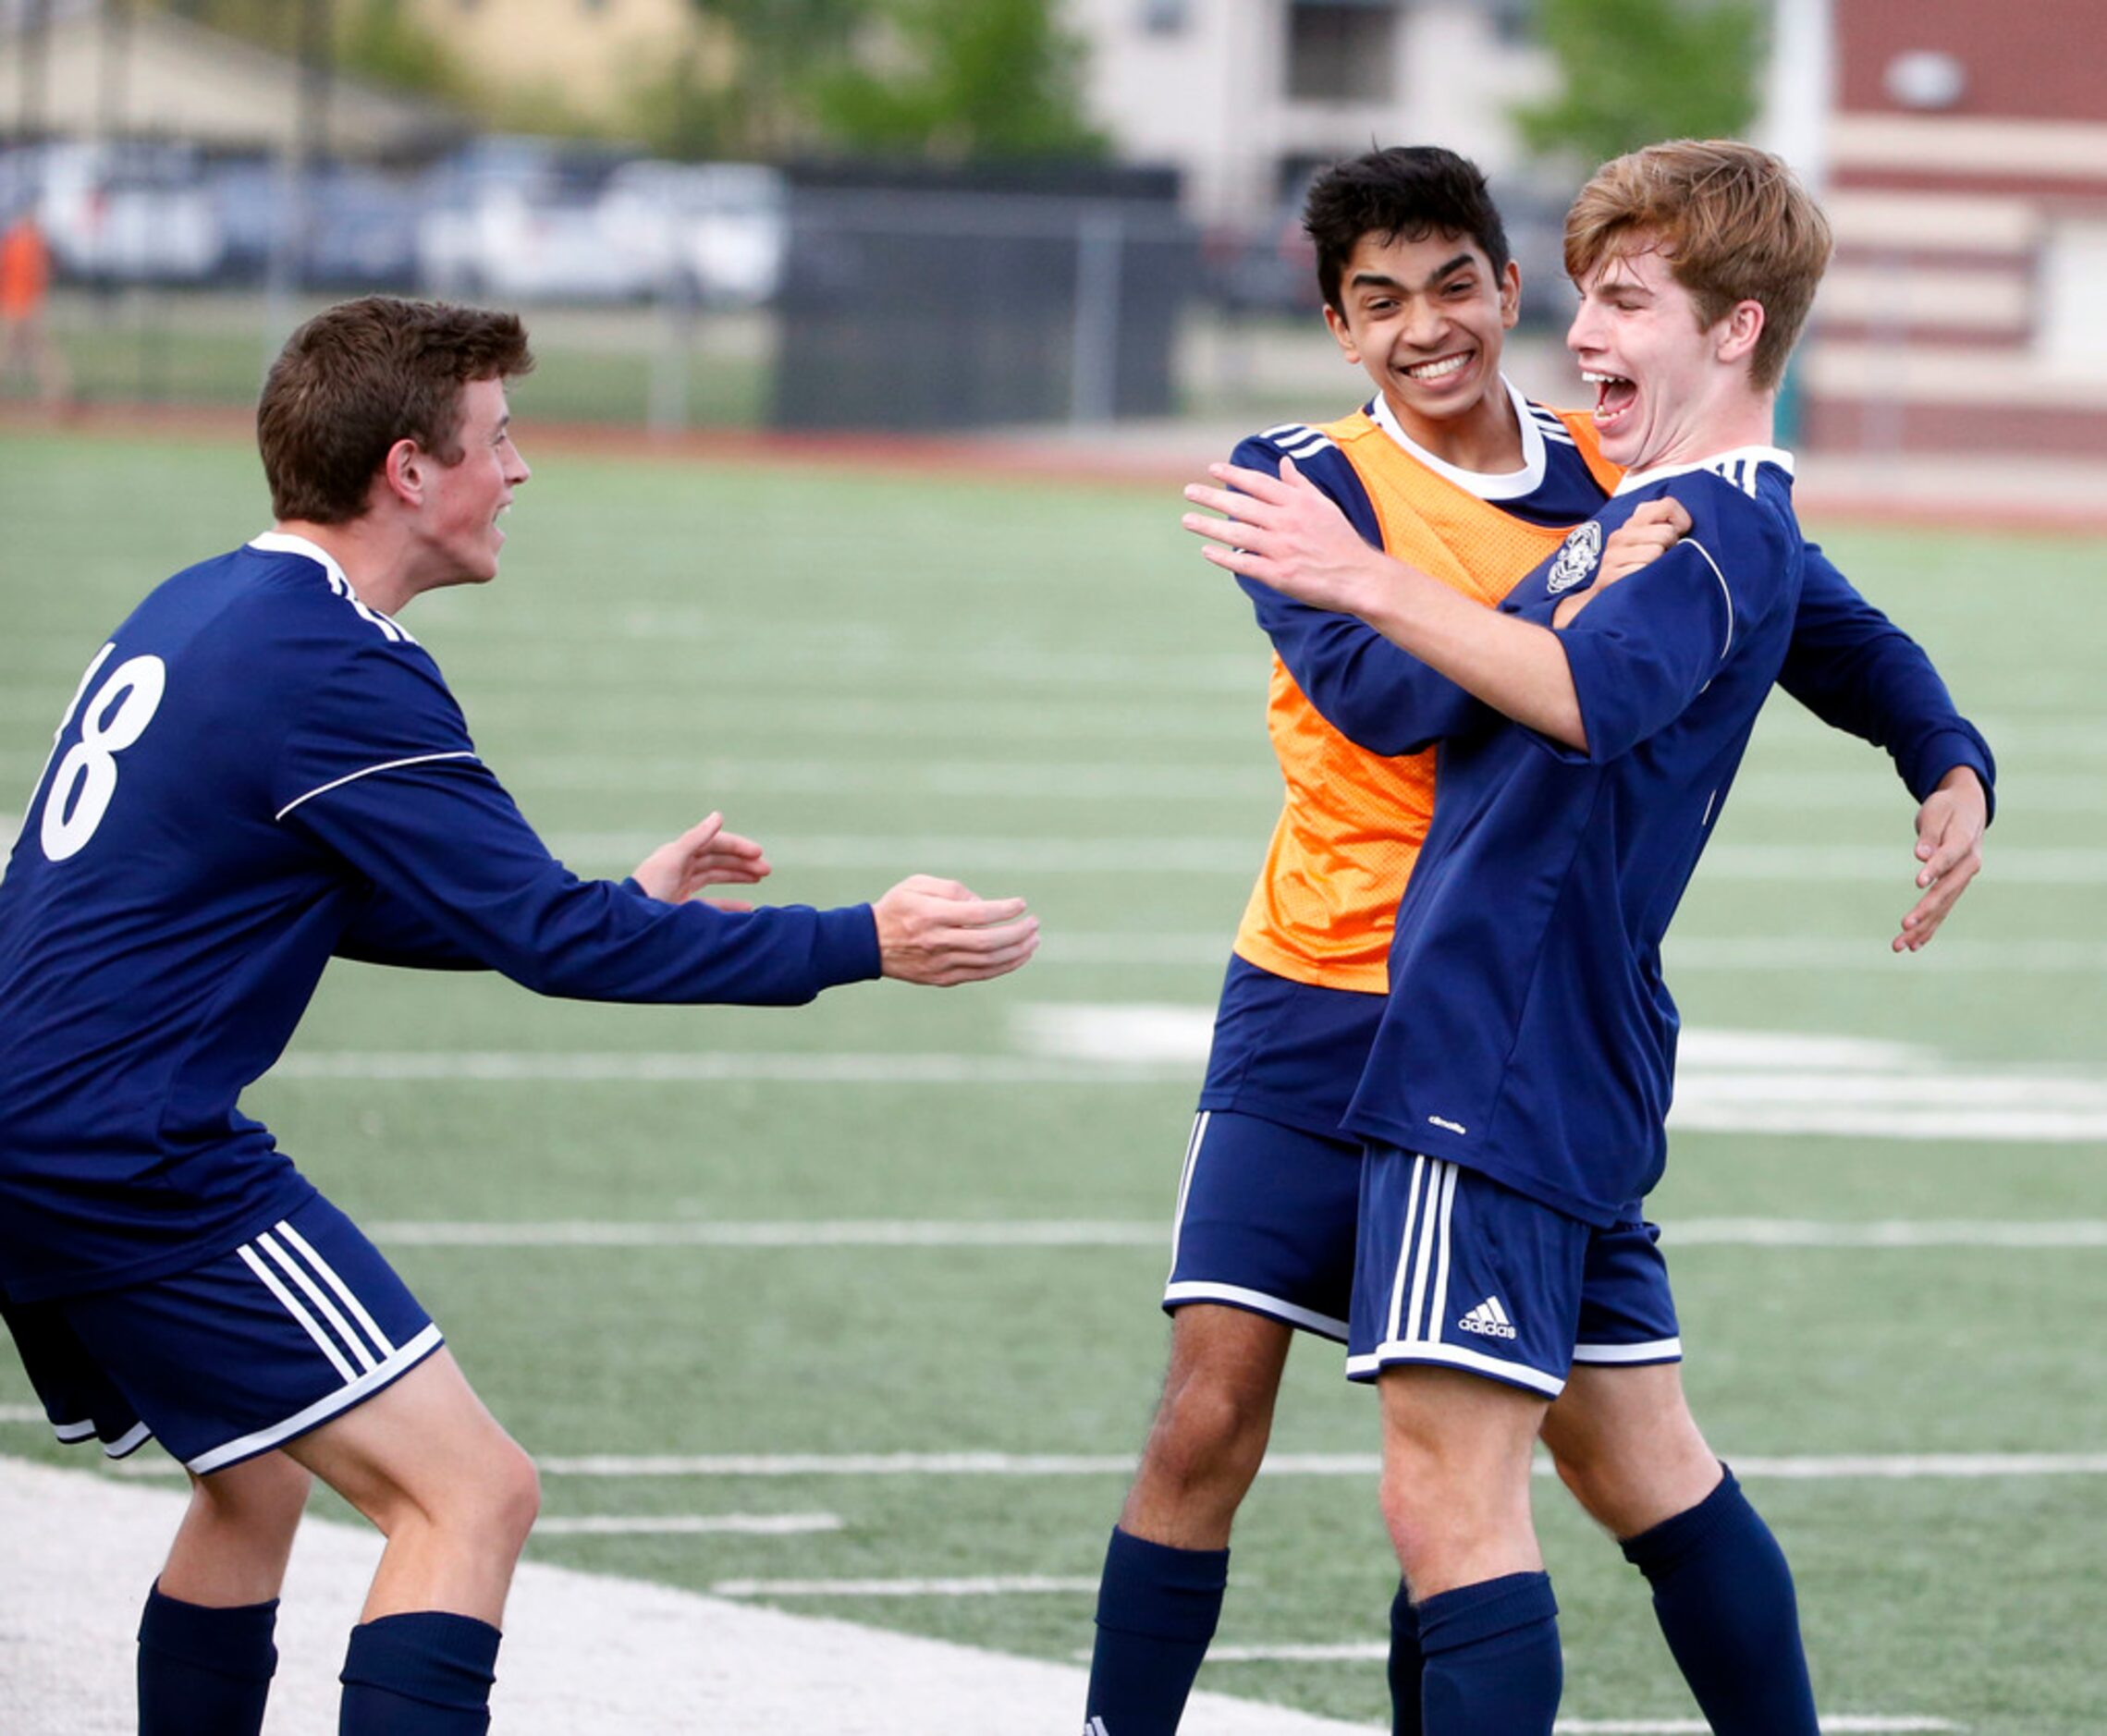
1723	463
1512	485
279	542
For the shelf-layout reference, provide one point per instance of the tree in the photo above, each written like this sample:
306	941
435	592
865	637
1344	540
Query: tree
1636	71
998	79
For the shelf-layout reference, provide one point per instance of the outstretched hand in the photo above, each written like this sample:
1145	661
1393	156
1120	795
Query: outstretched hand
1654	528
1285	532
938	933
704	855
1949	843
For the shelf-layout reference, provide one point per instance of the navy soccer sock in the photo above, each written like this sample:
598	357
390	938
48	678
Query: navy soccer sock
1156	1610
1407	1666
1493	1667
204	1671
1723	1596
422	1674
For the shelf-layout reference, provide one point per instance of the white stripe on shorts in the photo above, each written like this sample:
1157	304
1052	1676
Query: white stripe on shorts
1456	1356
327	1272
1185	1183
1256	1301
312	1327
1405	1251
269	1244
130	1442
322	1409
1653	1350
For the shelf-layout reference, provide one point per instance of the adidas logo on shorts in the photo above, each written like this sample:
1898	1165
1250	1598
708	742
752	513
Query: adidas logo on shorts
1489	1320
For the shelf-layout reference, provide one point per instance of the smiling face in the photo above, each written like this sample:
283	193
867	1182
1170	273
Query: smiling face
1669	388
1426	321
458	519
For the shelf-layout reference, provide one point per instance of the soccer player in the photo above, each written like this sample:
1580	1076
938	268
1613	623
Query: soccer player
1451	468
259	770
1512	1109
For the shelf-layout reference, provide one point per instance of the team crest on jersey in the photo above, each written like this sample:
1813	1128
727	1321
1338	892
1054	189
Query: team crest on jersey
1576	559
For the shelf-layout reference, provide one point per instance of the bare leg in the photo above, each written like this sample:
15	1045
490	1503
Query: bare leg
1211	1427
232	1546
1628	1448
1166	1566
1455	1495
450	1489
1455	1492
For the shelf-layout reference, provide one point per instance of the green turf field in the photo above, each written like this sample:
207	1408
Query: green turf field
1043	690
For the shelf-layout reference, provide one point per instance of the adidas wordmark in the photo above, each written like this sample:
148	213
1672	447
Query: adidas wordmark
1489	1320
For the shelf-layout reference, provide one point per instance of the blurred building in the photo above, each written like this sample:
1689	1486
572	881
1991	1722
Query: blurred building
1246	97
88	69
1967	163
590	57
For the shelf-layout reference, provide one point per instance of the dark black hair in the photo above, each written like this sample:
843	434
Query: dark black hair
1405	190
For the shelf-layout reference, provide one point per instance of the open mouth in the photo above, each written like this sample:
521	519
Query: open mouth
1432	373
1614	395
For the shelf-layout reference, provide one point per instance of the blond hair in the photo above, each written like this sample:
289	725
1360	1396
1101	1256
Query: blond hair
1732	223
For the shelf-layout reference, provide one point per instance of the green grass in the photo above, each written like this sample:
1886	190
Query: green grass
878	673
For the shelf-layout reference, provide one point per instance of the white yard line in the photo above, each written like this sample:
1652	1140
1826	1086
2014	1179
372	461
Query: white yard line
1697	1727
2044	1108
1756	954
1761	1232
582	1652
1809	1468
688	1526
1183	853
988	1585
687	1067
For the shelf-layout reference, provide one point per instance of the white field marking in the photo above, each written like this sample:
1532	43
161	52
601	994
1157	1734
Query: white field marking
32	1412
987	1585
515	1066
1118	1032
582	1652
688	1526
822	1233
1751	954
1804	1468
1906	1467
1758	1232
829	717
1758	954
1350	1652
2040	1109
1697	1727
1835	864
1107	780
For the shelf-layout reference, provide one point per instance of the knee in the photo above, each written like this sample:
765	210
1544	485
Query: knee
1626	1497
511	1499
1209	1436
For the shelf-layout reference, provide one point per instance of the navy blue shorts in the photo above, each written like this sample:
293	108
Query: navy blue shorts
1455	1269
1266	1216
232	1358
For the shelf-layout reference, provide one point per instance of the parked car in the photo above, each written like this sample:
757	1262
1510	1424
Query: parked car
714	231
123	212
521	219
359	223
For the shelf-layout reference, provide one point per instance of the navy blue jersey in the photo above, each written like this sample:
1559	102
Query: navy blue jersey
1344	698
1527	1034
257	773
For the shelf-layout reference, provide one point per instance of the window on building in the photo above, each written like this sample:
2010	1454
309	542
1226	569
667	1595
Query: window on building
1166	18
1342	50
